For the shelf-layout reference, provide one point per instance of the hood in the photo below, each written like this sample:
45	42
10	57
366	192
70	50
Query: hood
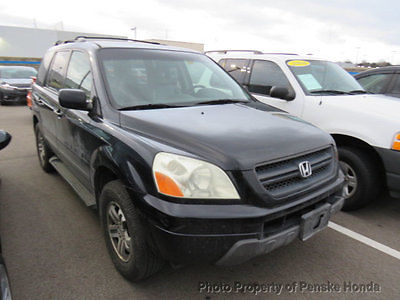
371	104
25	82
233	136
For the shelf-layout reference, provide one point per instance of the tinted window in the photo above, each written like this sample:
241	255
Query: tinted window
79	75
375	83
140	77
236	67
57	71
265	75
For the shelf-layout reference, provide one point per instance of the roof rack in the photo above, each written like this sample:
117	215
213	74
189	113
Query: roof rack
84	38
226	51
279	53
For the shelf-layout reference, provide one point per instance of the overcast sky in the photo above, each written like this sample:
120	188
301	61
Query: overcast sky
335	29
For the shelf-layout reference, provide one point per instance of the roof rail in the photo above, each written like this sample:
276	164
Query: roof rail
84	38
279	53
226	51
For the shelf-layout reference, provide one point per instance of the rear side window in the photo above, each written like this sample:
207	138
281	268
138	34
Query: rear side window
79	74
56	75
236	67
375	83
265	75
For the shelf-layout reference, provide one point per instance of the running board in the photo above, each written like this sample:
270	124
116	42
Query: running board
83	192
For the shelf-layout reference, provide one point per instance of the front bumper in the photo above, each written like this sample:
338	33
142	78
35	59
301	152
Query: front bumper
232	234
391	162
18	95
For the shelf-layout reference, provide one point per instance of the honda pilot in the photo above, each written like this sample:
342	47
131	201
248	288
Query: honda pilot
182	163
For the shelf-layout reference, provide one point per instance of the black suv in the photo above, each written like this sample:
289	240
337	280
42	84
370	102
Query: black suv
183	164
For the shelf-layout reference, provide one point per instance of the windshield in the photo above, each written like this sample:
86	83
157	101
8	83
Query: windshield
17	72
316	76
157	78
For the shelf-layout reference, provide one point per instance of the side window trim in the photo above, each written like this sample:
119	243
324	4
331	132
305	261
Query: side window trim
51	66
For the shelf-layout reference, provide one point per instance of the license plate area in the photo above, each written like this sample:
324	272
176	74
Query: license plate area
314	221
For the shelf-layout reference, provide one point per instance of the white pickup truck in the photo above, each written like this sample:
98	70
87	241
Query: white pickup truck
366	127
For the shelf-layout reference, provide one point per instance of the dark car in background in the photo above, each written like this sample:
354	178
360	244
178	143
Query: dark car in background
15	82
385	80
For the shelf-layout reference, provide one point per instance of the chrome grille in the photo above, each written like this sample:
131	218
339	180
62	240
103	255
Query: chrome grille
282	178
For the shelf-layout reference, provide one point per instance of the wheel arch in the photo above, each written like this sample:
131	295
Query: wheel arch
106	169
343	140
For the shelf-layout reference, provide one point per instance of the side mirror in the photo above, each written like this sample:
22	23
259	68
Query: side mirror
5	139
281	93
74	99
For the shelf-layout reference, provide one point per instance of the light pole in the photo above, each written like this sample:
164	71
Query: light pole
358	52
134	29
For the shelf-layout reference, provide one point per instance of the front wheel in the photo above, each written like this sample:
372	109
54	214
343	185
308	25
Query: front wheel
362	177
125	234
43	150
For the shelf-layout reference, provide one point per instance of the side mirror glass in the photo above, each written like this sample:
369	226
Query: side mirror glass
281	92
74	99
5	139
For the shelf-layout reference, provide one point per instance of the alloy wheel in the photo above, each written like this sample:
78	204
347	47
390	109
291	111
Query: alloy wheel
351	181
118	232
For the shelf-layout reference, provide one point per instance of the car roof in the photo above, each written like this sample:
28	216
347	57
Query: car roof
379	70
220	54
116	43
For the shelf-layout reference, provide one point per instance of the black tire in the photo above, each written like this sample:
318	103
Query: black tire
44	158
143	261
367	173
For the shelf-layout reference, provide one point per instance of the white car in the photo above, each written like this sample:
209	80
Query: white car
366	127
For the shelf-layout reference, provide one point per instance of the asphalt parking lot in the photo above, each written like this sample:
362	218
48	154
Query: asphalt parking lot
54	249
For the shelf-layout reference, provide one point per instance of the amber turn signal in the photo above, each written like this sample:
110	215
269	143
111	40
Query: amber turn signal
167	186
396	143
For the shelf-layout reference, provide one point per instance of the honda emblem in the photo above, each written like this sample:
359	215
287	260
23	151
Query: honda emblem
305	169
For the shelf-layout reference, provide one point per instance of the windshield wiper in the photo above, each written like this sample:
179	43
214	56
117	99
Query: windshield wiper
221	101
358	92
149	106
330	92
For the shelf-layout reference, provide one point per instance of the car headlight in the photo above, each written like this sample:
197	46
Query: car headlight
396	142
6	86
185	177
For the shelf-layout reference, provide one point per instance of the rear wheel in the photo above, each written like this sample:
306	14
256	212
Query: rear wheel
362	177
43	150
125	234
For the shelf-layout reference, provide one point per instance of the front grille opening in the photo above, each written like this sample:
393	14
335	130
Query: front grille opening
283	178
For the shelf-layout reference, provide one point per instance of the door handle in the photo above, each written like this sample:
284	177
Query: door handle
39	101
59	113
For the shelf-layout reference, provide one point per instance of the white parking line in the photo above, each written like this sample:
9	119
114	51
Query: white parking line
363	239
